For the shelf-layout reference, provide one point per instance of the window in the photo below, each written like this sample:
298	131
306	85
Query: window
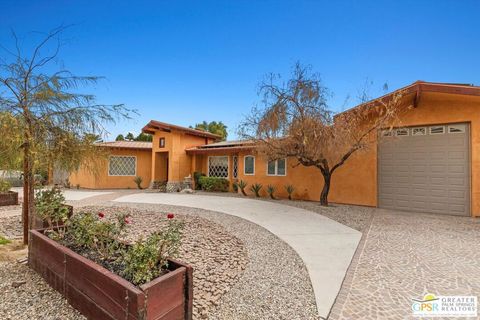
401	132
235	166
249	165
387	133
122	166
437	130
456	128
218	167
419	131
161	143
277	167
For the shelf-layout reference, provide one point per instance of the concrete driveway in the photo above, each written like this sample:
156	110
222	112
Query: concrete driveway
71	195
325	246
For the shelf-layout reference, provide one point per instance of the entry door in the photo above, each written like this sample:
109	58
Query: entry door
425	169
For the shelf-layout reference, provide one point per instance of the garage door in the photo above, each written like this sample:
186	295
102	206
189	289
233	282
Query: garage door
425	169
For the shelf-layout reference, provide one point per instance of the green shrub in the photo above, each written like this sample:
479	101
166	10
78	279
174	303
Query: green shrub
4	186
50	207
255	188
97	234
235	186
289	188
144	260
242	185
271	190
138	181
4	240
214	184
196	179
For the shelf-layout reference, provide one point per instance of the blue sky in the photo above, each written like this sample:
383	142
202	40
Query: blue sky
188	61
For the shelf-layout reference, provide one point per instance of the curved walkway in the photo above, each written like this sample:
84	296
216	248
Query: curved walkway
325	246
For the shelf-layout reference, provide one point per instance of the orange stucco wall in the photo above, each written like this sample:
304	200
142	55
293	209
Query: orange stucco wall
101	180
356	181
179	162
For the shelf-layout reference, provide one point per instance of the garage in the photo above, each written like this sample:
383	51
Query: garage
425	169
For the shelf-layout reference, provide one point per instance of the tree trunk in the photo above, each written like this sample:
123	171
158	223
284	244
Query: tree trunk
26	193
326	189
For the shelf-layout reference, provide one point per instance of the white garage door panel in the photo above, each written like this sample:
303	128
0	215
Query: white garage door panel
425	173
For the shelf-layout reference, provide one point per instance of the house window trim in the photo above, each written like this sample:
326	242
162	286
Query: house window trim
436	133
244	160
122	175
419	131
162	139
276	169
228	166
462	127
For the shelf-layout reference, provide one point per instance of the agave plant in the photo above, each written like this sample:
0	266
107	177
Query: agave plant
271	190
242	185
255	188
289	188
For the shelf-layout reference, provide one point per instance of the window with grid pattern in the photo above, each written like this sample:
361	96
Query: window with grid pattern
235	166
122	166
218	166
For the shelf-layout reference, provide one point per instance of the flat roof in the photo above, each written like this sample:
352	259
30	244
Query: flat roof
157	125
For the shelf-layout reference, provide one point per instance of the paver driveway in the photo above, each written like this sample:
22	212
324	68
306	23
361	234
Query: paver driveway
325	246
406	255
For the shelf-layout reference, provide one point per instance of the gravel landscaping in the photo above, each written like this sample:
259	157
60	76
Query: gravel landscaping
241	271
218	259
275	283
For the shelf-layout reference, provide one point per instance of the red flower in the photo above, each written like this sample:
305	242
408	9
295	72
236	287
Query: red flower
170	216
101	215
127	220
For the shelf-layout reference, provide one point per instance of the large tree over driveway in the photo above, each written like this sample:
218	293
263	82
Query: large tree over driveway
295	121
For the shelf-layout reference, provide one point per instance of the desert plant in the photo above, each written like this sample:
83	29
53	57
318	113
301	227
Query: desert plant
242	185
214	184
138	181
271	191
144	260
289	188
255	188
4	186
50	207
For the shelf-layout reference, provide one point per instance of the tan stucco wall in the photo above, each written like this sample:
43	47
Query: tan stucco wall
102	180
176	142
356	181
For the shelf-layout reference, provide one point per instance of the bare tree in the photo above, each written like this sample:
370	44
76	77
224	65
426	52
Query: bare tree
56	120
295	121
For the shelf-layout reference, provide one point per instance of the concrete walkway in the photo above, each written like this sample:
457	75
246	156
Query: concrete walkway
70	194
325	246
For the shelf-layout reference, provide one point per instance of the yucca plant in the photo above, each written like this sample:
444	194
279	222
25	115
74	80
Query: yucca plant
138	181
242	185
255	188
289	188
271	190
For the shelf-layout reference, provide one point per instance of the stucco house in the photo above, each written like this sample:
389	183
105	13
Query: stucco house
430	165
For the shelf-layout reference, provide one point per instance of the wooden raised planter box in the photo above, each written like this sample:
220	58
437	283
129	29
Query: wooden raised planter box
9	198
100	294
